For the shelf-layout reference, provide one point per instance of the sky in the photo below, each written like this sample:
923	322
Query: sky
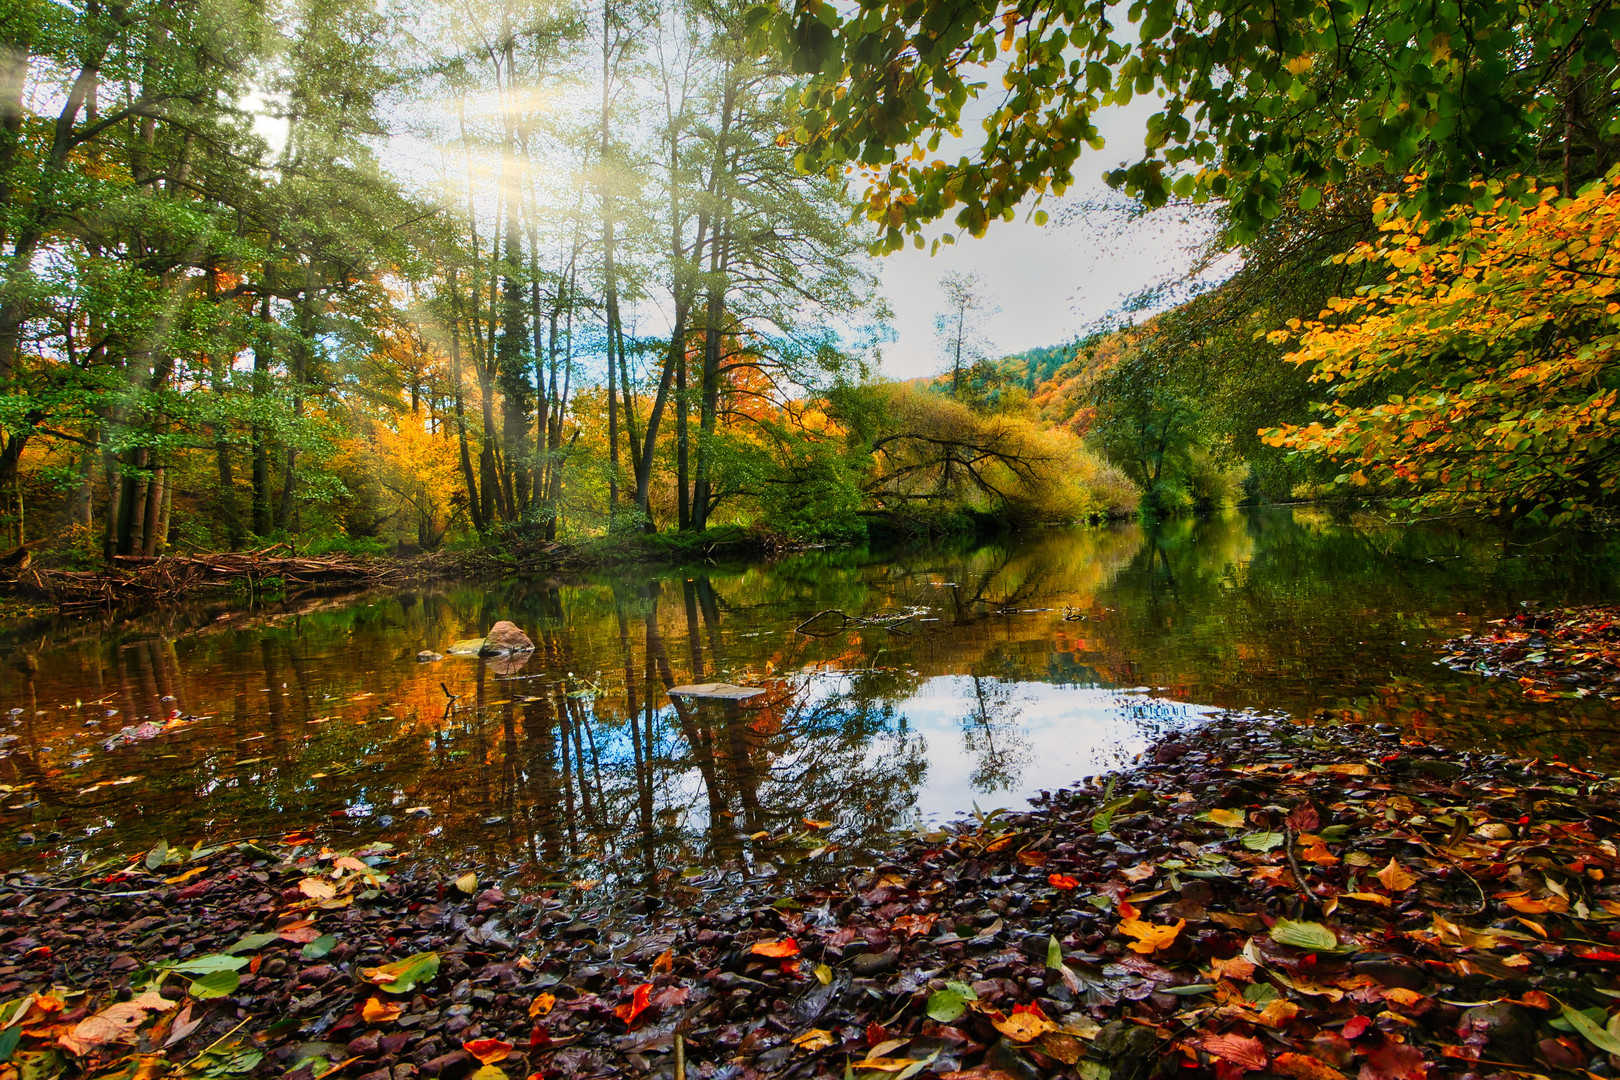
1049	281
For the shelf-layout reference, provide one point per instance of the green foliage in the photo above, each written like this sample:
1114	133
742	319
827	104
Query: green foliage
1250	107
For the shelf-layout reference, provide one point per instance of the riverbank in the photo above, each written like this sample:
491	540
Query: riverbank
1253	898
280	571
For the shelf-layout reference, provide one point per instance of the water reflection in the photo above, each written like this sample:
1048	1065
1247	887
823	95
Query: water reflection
1028	665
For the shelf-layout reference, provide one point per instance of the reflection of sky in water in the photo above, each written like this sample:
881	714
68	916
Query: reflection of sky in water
1041	736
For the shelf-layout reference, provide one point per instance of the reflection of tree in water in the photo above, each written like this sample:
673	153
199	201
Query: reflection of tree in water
991	733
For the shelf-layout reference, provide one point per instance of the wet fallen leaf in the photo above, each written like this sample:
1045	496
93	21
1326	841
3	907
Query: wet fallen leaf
488	1051
813	1040
377	1011
402	976
467	883
640	1001
1231	819
115	1023
1244	1052
1150	937
1304	935
1025	1024
1303	1067
1396	878
776	949
542	1004
1062	881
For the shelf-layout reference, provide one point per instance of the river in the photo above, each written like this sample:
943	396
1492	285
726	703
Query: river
981	675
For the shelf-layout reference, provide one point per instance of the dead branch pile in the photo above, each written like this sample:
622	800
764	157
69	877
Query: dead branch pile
165	578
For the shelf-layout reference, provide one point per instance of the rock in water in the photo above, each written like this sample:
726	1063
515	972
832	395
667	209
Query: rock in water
428	656
504	639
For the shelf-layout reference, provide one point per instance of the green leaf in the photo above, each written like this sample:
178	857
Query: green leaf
250	942
158	855
1263	841
8	1041
205	965
1054	954
319	947
950	1003
1304	935
1589	1031
1187	991
401	976
216	984
1259	993
1093	1070
1310	198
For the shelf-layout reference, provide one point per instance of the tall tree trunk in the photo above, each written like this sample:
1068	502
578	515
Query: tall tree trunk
263	350
474	505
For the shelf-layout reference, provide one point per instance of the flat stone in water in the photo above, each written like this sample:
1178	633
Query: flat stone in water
723	691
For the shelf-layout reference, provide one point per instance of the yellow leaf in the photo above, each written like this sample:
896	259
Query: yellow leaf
316	889
1367	898
1231	819
885	1064
187	876
1150	936
813	1040
1277	1013
542	1004
1023	1027
665	962
1396	878
467	883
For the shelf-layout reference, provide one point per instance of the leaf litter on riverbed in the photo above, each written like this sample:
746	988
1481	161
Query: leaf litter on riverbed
1570	652
1424	914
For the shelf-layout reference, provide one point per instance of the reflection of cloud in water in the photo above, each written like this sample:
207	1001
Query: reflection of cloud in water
1066	733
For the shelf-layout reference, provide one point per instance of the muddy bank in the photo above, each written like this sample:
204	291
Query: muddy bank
1253	898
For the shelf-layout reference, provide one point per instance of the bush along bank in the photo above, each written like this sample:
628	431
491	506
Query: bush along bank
1253	898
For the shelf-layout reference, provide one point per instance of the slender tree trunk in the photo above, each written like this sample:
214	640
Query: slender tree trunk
474	505
263	523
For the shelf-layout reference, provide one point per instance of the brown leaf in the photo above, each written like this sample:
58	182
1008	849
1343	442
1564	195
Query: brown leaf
1060	1046
116	1023
1304	1067
1394	1061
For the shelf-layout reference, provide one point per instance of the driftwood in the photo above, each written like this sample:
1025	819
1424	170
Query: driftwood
164	578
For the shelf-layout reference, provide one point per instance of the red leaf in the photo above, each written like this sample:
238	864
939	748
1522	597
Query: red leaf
638	1004
1033	1008
1063	881
1354	1027
488	1051
1304	818
876	1033
778	949
1394	1061
1245	1053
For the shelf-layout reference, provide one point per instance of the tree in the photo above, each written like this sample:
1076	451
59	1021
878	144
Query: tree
960	327
1255	100
1481	373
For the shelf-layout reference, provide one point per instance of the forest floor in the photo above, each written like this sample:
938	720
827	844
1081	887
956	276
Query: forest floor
1562	652
1252	898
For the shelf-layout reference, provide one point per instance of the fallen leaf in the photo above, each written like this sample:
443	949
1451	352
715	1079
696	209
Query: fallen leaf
468	884
488	1051
1394	1061
1303	1067
665	962
1062	881
1304	935
116	1023
316	889
1023	1027
887	1064
1244	1052
1367	898
1231	819
1140	872
1150	936
402	976
542	1004
813	1040
377	1011
776	949
1396	878
638	1003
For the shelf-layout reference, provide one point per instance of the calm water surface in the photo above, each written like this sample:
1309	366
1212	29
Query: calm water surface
1026	665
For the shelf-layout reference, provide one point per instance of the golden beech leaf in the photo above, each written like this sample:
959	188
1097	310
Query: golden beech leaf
542	1004
1396	878
813	1040
1150	936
